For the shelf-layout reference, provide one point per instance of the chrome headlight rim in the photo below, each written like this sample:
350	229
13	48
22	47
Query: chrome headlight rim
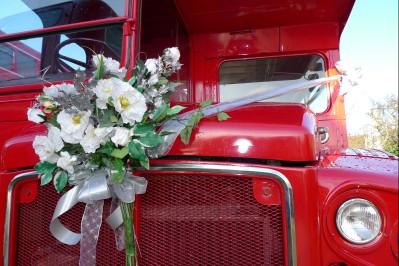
339	218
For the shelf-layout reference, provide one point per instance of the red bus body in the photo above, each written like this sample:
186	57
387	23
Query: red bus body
258	189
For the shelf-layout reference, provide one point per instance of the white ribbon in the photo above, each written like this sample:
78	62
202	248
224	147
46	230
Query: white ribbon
176	126
92	189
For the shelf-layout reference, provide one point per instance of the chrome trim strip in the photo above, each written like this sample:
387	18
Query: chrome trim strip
7	220
247	170
208	168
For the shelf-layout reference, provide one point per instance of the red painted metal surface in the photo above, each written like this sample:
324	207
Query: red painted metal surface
371	175
263	131
227	16
269	133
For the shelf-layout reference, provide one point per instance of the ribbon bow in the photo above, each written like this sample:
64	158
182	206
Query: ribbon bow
92	189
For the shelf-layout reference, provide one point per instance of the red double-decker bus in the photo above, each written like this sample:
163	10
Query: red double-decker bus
276	184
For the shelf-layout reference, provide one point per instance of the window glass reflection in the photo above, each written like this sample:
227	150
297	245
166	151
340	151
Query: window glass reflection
34	15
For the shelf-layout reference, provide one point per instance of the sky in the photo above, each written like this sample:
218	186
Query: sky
370	40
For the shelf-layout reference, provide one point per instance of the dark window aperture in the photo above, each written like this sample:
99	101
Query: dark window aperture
240	78
162	28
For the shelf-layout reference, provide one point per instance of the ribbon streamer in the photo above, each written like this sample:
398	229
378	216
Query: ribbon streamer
92	189
349	76
176	126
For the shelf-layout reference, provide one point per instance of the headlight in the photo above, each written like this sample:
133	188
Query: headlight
358	221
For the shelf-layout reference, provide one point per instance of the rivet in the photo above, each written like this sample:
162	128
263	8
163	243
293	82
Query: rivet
267	191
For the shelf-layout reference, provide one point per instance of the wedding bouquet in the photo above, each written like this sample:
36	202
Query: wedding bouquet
98	130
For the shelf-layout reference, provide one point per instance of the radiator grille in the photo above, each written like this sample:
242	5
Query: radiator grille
184	220
207	220
36	245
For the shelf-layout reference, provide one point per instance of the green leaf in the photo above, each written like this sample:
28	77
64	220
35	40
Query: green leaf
53	120
135	71
195	118
164	133
140	64
120	153
141	129
175	110
160	112
223	116
136	150
118	164
140	89
119	175
113	119
185	134
43	117
110	101
106	162
45	179
151	139
162	81
100	67
45	167
206	103
145	163
107	148
173	85
108	118
60	180
132	80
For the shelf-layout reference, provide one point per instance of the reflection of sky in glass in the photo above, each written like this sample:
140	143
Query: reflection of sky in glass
17	17
75	50
29	21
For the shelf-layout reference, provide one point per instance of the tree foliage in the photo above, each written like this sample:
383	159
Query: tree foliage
357	141
385	117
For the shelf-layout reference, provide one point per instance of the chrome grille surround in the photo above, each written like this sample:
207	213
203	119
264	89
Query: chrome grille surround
194	168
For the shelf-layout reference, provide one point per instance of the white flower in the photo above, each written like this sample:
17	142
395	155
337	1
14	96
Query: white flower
54	135
152	65
110	65
73	125
94	137
45	149
129	103
103	133
66	162
122	136
90	142
173	53
103	91
55	91
33	115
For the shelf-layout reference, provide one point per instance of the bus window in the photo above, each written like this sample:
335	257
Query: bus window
35	15
6	57
52	55
242	77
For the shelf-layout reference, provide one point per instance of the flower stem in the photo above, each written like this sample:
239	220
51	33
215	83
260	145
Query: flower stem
128	220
